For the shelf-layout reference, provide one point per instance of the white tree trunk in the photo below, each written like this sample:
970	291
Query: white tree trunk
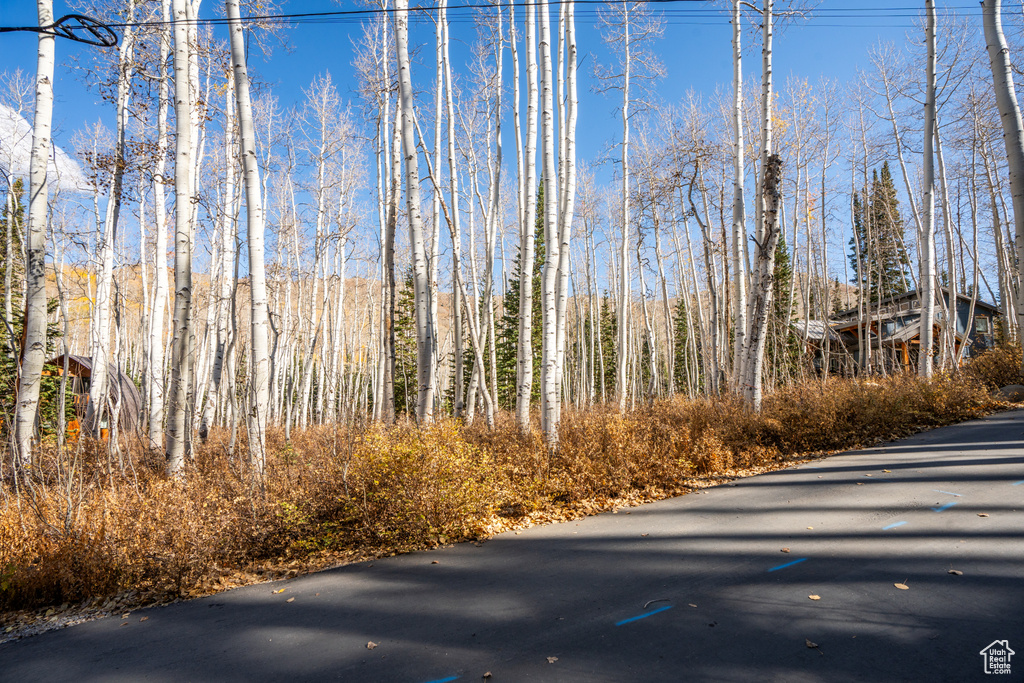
567	204
424	325
622	342
739	211
549	359
524	354
157	371
259	363
927	248
181	362
97	411
34	350
1013	129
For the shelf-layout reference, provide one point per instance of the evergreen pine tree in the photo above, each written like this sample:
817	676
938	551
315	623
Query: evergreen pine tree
880	212
507	328
609	332
782	346
682	358
405	347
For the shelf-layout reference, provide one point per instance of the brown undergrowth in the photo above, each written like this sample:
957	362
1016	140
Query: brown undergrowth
81	529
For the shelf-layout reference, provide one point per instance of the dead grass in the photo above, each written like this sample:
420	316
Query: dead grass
79	534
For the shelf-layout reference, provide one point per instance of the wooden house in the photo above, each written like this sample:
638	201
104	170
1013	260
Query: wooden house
125	398
886	335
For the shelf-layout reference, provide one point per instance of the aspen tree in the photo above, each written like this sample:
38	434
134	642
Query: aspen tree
33	353
549	359
629	28
524	366
1013	129
424	326
927	247
97	415
259	360
766	230
181	361
156	372
739	217
567	201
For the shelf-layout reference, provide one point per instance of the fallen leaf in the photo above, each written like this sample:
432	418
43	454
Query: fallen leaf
643	535
810	527
810	644
860	483
126	615
692	605
143	618
280	591
124	623
434	562
370	645
814	597
290	600
487	674
955	572
902	586
887	470
785	550
552	660
982	514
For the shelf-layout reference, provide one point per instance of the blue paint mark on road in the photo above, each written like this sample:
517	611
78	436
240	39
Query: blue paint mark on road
788	564
893	526
444	680
1017	483
945	507
643	616
948	493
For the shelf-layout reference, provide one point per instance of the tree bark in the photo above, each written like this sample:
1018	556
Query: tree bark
181	362
259	362
927	259
424	325
33	353
1013	129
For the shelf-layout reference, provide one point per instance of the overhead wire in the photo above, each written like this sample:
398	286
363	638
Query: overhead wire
671	12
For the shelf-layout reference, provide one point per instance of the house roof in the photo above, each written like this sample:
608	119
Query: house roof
814	329
891	301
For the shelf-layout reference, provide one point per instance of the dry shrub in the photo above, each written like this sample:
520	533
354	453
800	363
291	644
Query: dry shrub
419	485
84	528
998	367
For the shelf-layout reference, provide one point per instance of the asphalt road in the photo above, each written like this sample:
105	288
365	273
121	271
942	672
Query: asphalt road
693	588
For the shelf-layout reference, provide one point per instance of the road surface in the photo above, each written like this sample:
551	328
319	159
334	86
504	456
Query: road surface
693	588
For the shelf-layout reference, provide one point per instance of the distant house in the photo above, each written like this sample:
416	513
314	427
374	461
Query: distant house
122	390
889	332
823	344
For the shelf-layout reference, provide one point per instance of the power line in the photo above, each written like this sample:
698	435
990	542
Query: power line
707	13
87	30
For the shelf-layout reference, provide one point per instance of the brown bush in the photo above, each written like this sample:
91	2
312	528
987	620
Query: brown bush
998	367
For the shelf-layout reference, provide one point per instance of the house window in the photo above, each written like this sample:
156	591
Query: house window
981	325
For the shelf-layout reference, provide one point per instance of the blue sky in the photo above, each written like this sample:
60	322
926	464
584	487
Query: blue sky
695	51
